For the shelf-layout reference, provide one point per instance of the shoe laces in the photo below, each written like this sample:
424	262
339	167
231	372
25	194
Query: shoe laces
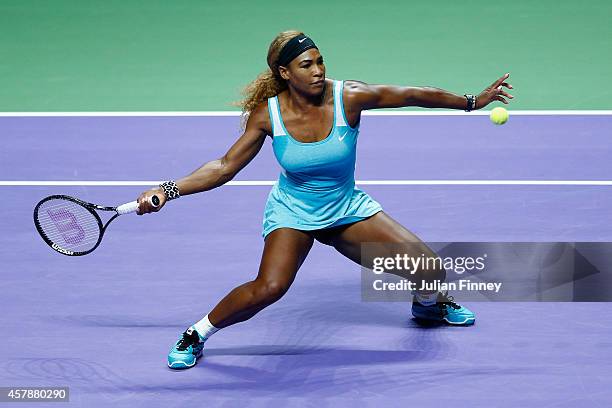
188	339
445	300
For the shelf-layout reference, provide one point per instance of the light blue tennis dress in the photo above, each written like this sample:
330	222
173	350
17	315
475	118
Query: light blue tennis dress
316	187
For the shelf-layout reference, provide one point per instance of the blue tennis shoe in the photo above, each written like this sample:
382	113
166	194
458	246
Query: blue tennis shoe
186	351
444	310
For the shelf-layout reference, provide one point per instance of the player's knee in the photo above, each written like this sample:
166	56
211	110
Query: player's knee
270	291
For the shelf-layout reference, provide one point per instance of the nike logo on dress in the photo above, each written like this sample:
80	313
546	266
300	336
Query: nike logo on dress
302	40
341	137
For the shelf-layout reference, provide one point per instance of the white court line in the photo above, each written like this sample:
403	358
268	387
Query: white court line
38	183
365	113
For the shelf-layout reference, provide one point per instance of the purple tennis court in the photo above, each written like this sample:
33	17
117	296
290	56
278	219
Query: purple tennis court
103	324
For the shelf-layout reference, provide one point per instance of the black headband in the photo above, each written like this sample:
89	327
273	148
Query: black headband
293	48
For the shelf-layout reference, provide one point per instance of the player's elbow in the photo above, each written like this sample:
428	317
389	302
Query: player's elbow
411	96
227	169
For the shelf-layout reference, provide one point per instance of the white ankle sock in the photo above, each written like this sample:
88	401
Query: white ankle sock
426	299
205	328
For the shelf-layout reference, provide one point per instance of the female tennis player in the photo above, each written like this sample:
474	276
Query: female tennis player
313	122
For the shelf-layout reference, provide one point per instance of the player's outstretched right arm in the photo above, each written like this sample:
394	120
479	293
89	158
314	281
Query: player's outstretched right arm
217	172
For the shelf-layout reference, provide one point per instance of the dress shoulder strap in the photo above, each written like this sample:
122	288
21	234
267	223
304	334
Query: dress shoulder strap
339	104
275	118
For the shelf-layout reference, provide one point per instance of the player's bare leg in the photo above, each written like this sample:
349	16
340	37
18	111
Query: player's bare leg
284	252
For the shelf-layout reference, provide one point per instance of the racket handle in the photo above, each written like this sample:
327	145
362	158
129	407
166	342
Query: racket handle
127	208
133	206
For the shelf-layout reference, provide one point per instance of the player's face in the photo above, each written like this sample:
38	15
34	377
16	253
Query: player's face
307	72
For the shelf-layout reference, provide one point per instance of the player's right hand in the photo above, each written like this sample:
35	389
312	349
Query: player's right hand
144	201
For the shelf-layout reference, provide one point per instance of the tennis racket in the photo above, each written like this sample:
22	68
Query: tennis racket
73	227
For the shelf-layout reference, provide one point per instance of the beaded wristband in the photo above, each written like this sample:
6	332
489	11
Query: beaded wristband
171	190
470	102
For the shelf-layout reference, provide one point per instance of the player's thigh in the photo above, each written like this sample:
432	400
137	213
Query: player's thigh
383	234
285	250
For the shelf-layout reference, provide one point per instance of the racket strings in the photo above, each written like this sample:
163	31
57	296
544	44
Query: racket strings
68	225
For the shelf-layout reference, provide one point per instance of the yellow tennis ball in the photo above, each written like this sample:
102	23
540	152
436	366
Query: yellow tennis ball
499	115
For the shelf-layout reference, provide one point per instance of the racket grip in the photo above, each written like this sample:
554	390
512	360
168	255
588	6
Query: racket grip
127	208
133	206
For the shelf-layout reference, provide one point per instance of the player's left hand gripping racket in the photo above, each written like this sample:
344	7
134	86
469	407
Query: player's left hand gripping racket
72	226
